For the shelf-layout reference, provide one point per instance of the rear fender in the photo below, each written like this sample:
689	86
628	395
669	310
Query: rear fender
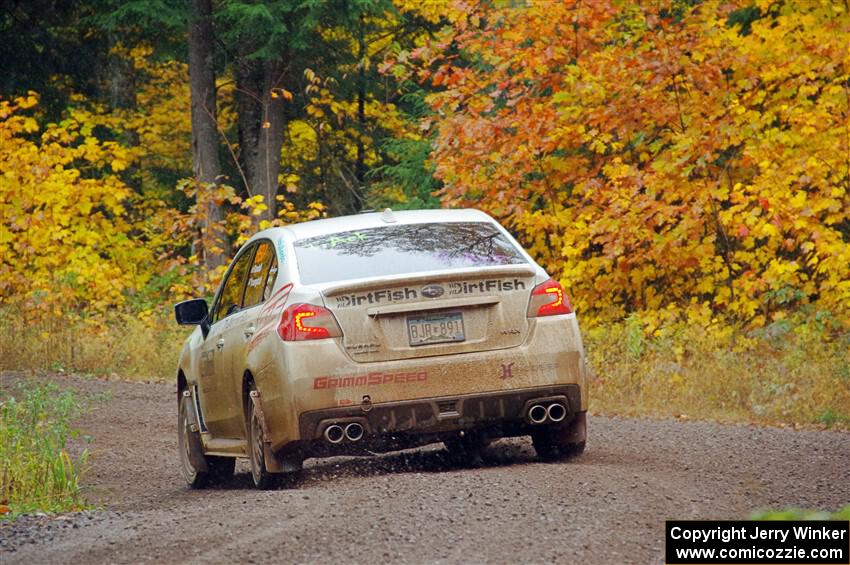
275	462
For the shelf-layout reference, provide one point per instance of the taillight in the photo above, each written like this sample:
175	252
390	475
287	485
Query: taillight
549	299
307	321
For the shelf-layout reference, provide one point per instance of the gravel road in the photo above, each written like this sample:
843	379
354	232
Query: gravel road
608	506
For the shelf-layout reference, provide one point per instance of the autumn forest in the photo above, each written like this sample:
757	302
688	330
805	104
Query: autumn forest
682	166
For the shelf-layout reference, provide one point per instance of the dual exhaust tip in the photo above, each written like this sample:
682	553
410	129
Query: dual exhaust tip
555	412
537	414
335	433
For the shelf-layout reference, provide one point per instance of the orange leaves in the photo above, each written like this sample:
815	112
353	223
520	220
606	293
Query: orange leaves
447	76
281	93
654	160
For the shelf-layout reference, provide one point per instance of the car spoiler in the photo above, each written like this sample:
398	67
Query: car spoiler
524	270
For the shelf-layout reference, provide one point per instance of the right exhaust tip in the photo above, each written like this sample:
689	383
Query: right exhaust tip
556	412
537	414
334	433
354	431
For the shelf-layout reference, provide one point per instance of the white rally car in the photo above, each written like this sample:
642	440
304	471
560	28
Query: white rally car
377	332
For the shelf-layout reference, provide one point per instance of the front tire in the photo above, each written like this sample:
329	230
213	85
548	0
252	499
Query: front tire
198	470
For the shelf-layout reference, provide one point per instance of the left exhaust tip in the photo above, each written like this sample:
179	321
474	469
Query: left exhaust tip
334	433
537	414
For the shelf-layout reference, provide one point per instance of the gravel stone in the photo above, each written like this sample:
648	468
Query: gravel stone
608	506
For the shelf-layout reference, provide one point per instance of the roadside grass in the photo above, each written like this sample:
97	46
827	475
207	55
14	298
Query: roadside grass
793	372
134	347
800	514
37	473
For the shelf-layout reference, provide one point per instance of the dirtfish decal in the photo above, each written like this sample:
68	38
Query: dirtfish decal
407	293
376	297
485	286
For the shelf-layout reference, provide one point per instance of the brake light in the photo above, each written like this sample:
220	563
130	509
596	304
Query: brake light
549	299
300	322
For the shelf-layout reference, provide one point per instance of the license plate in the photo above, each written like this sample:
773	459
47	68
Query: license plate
435	328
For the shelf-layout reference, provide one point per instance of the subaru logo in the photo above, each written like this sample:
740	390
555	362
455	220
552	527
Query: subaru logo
432	291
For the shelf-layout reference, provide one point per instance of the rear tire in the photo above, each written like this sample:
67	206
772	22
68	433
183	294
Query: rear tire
218	469
263	479
467	449
549	451
559	442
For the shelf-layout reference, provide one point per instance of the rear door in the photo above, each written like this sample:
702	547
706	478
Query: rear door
421	289
241	330
220	401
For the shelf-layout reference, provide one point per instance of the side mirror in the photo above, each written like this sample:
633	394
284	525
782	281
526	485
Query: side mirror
191	312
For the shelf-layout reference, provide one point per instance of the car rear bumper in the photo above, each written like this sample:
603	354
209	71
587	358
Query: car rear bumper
309	382
399	424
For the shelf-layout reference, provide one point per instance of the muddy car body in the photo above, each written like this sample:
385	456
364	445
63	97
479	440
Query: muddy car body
377	332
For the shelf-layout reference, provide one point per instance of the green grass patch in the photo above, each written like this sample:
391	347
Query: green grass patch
37	472
830	418
800	514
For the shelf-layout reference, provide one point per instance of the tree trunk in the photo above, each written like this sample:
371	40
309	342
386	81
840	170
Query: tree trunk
120	78
262	118
271	137
249	81
360	167
205	162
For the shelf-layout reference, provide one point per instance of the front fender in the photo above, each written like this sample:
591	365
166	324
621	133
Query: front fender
189	361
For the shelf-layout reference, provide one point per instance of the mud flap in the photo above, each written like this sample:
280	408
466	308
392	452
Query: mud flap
196	448
273	463
576	431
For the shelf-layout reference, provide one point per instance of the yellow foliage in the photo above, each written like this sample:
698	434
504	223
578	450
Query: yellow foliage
433	11
65	234
159	126
334	123
162	117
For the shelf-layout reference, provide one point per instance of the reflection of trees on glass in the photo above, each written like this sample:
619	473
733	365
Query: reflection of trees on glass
257	275
472	243
270	279
231	295
402	249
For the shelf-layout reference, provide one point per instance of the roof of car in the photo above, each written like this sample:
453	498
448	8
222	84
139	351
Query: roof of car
372	220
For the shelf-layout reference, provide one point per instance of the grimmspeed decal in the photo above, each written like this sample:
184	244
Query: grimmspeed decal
375	378
407	293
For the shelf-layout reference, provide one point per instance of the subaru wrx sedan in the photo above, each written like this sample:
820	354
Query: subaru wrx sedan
377	332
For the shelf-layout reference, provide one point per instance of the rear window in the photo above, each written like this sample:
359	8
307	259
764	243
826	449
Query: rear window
402	249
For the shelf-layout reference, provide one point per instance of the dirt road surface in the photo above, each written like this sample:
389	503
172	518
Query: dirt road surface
608	506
